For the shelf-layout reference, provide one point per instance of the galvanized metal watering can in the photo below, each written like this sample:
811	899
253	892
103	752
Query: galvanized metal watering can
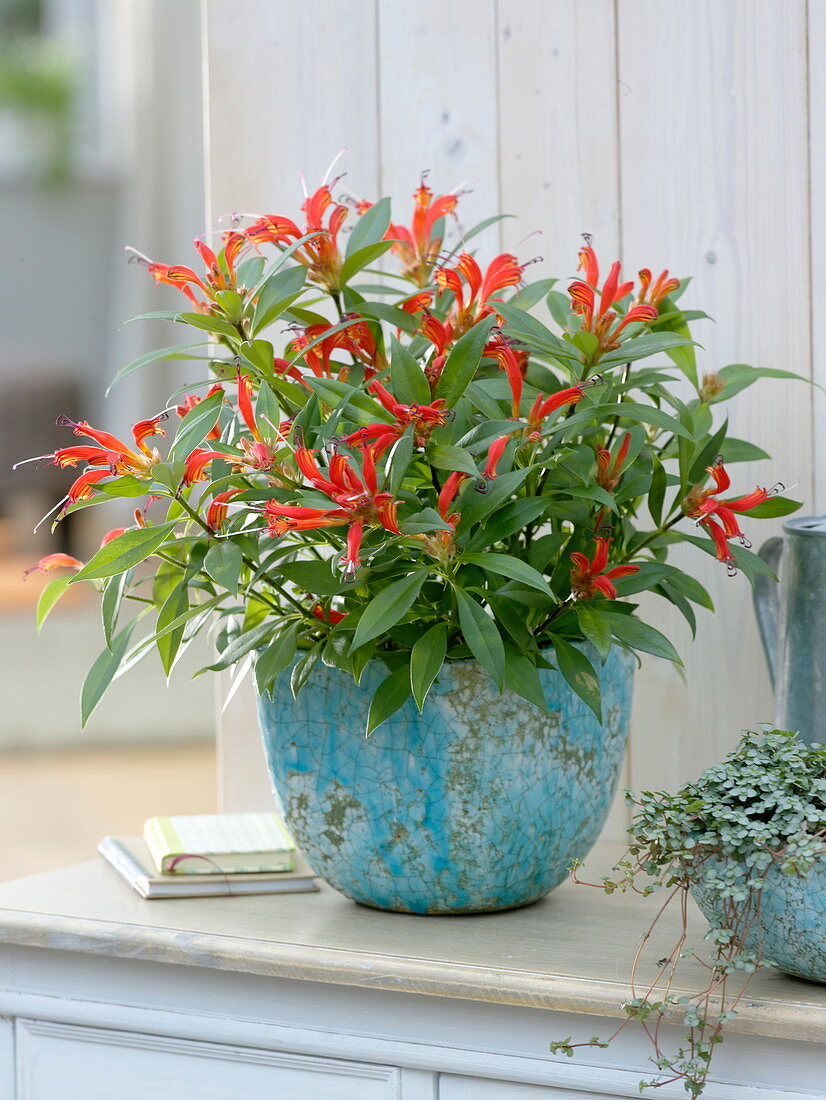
792	621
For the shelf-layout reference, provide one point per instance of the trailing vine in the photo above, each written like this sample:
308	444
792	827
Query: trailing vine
762	808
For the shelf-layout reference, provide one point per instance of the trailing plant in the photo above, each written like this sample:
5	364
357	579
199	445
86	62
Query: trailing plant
423	470
763	808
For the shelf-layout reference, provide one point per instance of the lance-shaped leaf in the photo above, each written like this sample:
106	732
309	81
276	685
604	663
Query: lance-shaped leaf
392	693
195	426
407	377
275	658
102	672
507	566
124	552
157	356
426	659
370	228
579	674
482	636
388	607
48	598
463	362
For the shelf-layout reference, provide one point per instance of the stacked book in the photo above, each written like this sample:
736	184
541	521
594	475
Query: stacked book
209	855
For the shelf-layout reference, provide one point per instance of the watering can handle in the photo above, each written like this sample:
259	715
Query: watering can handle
767	601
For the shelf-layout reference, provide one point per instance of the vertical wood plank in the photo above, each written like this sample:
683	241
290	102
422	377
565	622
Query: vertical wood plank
558	128
817	208
714	164
437	73
288	85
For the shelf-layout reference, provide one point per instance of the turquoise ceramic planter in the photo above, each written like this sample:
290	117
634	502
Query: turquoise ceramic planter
480	803
790	926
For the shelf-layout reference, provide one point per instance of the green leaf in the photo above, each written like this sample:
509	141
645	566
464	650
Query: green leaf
738	450
426	659
739	376
645	414
275	658
482	636
195	426
370	228
692	589
216	325
244	644
388	607
276	296
579	674
407	377
110	604
168	644
521	676
648	343
361	258
463	362
48	598
451	458
422	522
641	636
127	550
316	577
156	356
775	506
381	311
392	693
656	494
223	562
507	566
594	626
475	506
101	673
303	667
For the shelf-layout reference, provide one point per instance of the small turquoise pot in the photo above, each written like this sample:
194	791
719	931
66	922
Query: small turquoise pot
789	927
479	803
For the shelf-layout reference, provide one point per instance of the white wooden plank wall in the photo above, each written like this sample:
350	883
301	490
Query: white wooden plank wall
681	133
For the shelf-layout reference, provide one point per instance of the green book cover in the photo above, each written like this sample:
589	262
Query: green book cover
202	844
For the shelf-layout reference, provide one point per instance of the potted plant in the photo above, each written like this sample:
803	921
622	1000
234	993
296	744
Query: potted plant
424	520
748	841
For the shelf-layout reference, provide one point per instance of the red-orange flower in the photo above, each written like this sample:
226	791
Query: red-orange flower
654	291
589	575
357	339
495	452
718	516
472	291
220	273
217	511
544	406
609	467
598	317
329	615
358	503
418	247
380	436
52	562
513	363
321	254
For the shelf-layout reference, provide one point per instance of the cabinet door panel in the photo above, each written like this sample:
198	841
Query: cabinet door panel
474	1088
83	1063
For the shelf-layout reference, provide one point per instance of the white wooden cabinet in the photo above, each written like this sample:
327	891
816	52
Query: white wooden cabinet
310	997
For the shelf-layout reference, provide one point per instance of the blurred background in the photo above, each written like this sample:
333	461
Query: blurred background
101	145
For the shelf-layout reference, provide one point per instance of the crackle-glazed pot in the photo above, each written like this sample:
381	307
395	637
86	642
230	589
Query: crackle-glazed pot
790	925
480	803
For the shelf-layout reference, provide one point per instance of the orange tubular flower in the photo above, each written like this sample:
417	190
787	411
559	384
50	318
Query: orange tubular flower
52	562
220	273
329	616
217	510
196	463
589	576
358	503
609	467
654	292
440	334
544	406
513	363
502	272
380	436
357	339
418	247
599	318
111	451
321	254
495	452
718	516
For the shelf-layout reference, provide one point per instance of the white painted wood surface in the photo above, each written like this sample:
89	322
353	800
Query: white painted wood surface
690	135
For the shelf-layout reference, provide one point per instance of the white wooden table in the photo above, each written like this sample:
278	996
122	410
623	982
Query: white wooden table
104	996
